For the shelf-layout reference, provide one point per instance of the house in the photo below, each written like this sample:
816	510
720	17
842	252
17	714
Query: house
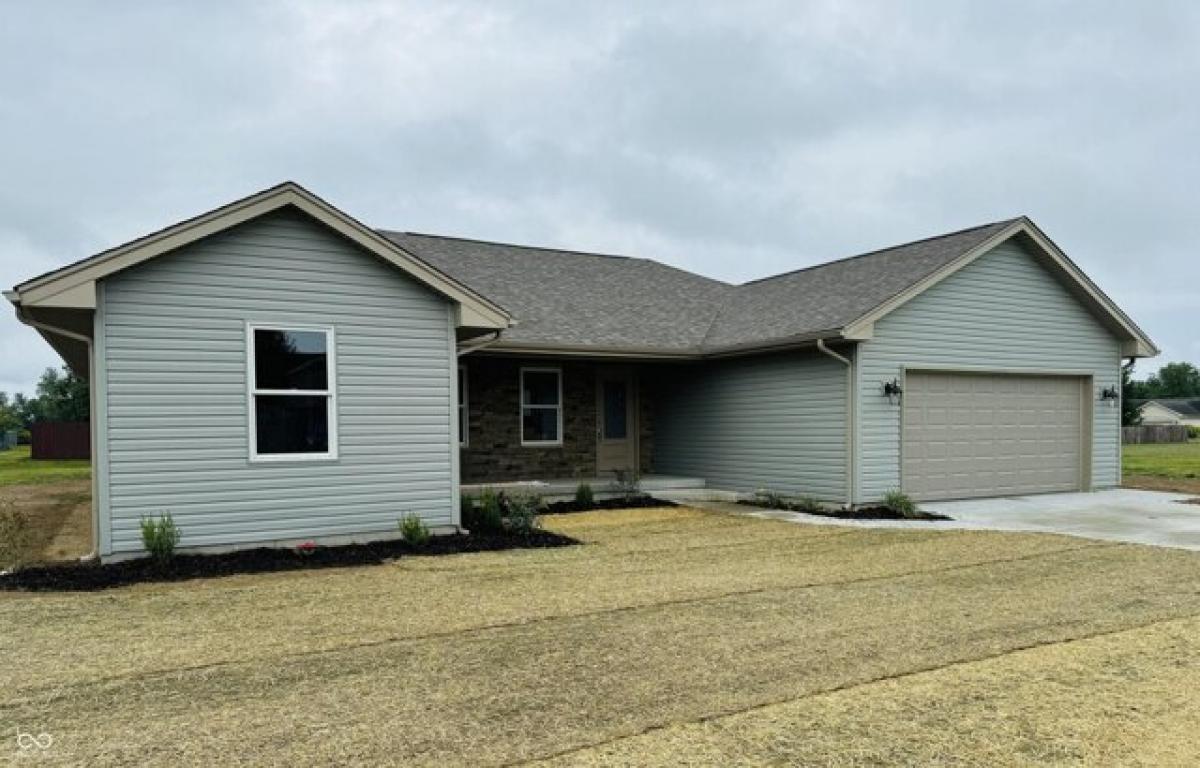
1184	411
275	371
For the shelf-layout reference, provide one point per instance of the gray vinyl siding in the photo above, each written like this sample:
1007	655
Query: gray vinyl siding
175	401
775	422
1004	311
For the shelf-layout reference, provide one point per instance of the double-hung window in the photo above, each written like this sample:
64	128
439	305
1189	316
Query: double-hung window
541	406
292	398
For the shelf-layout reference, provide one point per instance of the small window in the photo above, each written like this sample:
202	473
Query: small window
462	405
292	398
541	406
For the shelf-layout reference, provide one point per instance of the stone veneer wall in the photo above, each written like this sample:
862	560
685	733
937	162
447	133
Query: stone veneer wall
494	452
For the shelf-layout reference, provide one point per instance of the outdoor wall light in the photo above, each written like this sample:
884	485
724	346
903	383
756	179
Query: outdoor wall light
1110	395
892	391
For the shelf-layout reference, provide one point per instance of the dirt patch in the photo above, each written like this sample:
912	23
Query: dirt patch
1157	483
59	516
88	576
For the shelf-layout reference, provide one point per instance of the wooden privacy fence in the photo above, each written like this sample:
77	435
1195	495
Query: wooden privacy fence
1155	433
61	440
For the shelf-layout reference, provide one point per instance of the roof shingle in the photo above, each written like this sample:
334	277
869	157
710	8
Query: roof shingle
573	299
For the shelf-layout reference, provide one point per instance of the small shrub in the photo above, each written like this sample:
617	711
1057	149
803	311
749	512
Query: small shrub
899	502
808	505
160	537
627	485
413	530
770	499
15	538
486	516
584	498
521	513
1193	432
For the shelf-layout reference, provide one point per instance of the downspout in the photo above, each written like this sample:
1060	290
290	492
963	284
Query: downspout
91	417
475	346
849	418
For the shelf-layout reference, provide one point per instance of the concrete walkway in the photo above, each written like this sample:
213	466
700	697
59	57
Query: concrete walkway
1140	517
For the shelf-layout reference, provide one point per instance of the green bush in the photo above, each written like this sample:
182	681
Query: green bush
521	513
15	538
1193	433
770	499
584	498
413	530
807	504
899	502
160	537
627	485
486	515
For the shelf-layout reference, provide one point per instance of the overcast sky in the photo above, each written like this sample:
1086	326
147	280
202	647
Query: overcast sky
732	139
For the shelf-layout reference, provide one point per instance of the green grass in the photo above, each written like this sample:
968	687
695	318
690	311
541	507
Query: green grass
16	468
1178	461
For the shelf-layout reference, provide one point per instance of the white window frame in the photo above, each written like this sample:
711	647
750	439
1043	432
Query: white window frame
329	393
521	405
464	413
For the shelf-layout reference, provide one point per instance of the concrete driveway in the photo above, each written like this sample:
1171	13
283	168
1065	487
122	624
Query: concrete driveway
1122	514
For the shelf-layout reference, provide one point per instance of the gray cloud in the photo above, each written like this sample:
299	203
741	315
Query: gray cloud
732	140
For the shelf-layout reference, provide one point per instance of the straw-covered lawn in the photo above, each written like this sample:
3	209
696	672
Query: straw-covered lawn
672	636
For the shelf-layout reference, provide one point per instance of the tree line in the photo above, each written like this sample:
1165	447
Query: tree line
60	396
1173	380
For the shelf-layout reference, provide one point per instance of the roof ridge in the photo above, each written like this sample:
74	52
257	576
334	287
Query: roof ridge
877	251
502	244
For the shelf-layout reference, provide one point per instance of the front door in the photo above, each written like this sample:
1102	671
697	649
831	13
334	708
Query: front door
616	420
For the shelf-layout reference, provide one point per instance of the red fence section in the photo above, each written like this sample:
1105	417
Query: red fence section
61	440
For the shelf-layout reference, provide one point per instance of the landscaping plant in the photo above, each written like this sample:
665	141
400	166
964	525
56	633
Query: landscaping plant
160	536
584	499
770	499
488	515
899	502
807	504
413	530
626	485
521	513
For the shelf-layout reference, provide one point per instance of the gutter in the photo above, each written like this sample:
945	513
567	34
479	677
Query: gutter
850	413
15	299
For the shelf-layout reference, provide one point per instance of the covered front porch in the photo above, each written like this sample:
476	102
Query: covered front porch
559	422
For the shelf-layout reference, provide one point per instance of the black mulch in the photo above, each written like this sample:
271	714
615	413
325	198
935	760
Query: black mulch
862	513
563	507
88	577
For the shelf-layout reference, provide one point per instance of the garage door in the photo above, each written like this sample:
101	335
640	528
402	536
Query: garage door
991	434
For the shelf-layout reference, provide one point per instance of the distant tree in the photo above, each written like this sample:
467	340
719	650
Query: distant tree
1130	416
61	396
10	416
1175	380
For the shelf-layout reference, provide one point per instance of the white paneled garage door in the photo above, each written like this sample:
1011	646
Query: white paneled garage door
991	434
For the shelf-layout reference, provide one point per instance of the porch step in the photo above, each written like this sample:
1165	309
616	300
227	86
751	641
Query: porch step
602	487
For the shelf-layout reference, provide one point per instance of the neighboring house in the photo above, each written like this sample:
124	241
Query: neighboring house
274	370
1171	411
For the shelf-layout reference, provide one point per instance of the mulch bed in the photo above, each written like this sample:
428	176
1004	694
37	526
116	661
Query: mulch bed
564	507
861	513
89	576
